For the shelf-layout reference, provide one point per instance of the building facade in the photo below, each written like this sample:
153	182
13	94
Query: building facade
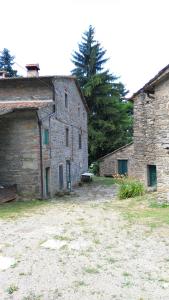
118	162
150	155
43	133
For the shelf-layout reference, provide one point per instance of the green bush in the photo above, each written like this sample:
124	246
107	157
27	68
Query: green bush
130	188
94	168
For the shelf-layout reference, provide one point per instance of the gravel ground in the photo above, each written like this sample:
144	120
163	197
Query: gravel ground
79	249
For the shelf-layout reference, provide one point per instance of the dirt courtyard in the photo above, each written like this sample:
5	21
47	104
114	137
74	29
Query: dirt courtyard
81	248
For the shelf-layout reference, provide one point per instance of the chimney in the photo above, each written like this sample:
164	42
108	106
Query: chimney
32	70
2	74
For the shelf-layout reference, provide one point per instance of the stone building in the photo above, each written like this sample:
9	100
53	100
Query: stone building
150	159
151	132
117	162
43	133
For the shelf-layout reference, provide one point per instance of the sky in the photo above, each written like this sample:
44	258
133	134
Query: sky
134	33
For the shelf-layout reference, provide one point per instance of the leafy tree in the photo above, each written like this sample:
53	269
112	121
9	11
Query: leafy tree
110	117
7	62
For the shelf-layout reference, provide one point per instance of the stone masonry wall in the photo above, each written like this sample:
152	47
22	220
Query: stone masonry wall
19	152
144	135
109	164
21	162
162	138
74	117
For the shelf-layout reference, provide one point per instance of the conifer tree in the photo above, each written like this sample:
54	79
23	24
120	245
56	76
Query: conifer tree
7	62
110	117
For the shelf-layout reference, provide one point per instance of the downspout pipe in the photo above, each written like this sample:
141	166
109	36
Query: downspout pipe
41	155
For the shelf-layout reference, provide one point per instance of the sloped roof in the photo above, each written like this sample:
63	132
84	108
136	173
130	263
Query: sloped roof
161	75
119	149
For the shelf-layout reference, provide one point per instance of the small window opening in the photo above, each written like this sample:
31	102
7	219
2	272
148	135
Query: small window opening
67	137
46	137
66	100
79	110
80	141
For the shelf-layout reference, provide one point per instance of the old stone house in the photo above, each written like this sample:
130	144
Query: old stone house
150	159
43	133
117	162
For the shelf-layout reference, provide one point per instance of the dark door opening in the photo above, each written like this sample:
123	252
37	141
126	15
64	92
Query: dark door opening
152	175
61	177
123	166
68	174
47	181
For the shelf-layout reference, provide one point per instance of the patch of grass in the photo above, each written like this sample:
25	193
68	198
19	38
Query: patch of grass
32	296
91	270
126	274
62	238
18	209
107	181
11	289
80	283
111	260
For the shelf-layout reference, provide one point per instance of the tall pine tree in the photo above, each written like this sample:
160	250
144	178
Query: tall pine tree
7	62
110	117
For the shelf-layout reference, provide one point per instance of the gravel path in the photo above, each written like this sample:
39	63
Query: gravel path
80	249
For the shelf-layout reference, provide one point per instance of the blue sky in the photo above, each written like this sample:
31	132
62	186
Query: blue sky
134	33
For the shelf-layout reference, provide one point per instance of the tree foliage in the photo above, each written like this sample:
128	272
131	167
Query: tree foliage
7	62
110	117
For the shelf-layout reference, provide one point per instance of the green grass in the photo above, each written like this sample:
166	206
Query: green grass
143	210
18	209
107	181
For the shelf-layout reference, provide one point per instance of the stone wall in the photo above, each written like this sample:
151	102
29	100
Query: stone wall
22	89
109	163
19	152
19	146
74	117
151	135
144	135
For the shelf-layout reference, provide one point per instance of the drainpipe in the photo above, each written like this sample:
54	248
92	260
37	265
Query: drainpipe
41	155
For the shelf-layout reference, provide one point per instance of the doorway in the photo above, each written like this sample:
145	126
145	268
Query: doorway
152	175
47	181
61	183
68	174
123	166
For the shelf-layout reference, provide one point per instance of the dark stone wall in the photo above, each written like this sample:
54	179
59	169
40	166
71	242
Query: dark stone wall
19	152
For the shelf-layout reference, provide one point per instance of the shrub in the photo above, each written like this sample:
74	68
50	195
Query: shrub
94	168
131	188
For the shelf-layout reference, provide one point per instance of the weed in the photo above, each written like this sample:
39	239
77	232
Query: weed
11	289
130	188
126	274
91	270
80	283
62	238
32	296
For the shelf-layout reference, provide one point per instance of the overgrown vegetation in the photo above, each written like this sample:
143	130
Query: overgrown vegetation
130	188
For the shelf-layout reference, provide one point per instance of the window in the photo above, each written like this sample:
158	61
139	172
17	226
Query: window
152	175
66	100
79	110
122	166
47	181
80	141
67	137
46	137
